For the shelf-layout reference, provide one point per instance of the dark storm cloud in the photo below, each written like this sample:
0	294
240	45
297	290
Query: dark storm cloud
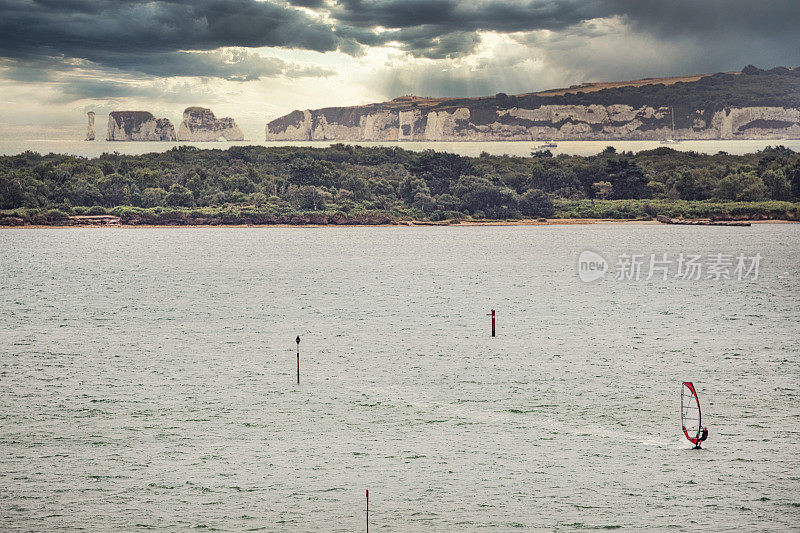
433	43
236	65
447	28
725	34
769	25
765	18
430	41
455	15
654	16
308	3
233	65
119	34
162	38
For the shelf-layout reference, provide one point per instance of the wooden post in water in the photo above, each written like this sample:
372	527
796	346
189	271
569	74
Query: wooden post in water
367	510
297	340
492	314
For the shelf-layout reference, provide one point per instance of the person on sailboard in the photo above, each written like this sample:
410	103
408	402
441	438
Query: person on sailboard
702	434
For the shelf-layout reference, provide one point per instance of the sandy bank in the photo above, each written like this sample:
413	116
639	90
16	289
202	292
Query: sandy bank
403	223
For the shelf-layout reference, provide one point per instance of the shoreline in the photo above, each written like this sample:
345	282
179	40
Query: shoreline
405	223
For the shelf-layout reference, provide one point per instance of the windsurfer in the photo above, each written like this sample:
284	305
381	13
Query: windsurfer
702	435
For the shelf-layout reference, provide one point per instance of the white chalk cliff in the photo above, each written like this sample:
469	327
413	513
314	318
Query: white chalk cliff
138	126
560	122
200	124
90	134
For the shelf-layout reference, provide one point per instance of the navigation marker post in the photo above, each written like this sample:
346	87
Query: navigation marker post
367	510
492	315
297	340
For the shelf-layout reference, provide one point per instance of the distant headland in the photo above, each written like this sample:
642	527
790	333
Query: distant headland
751	104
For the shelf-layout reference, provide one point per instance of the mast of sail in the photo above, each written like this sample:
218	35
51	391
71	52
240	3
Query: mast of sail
690	402
699	411
672	112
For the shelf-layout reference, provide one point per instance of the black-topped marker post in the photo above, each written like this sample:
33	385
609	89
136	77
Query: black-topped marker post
297	340
492	315
367	510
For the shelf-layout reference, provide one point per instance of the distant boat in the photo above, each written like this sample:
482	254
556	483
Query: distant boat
672	140
547	144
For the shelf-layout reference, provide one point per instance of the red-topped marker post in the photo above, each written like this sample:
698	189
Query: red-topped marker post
492	315
297	340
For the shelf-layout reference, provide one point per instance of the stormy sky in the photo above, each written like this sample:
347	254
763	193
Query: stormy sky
256	60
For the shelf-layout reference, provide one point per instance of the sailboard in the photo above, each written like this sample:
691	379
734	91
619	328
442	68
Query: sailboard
690	413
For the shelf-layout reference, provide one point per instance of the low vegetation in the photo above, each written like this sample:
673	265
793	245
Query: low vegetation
346	184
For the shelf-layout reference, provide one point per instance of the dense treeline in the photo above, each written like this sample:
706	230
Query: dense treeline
344	183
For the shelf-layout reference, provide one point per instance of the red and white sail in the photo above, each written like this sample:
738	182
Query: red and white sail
690	412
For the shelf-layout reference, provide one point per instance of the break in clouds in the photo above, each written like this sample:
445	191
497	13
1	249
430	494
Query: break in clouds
80	50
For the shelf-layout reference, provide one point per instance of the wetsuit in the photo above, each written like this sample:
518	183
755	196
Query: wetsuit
703	436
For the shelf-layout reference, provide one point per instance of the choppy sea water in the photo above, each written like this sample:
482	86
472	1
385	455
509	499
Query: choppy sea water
473	149
148	380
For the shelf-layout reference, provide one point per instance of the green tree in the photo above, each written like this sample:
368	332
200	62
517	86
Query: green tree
793	175
310	197
179	195
447	202
12	189
411	186
627	178
84	192
133	196
536	203
381	186
424	202
386	202
778	186
112	188
673	194
343	195
602	189
480	194
258	199
313	172
153	197
741	186
587	173
695	184
358	186
240	183
656	189
439	169
549	176
146	178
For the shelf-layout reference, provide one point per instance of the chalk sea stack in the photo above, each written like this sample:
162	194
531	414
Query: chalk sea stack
200	124
138	126
90	128
752	104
